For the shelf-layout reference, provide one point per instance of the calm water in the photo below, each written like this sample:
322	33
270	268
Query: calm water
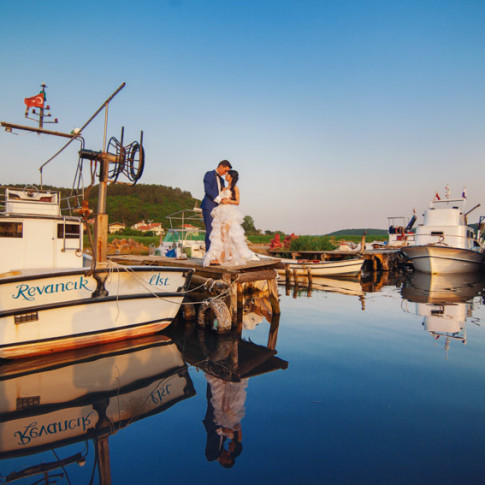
380	383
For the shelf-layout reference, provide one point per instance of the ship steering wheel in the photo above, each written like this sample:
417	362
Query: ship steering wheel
31	191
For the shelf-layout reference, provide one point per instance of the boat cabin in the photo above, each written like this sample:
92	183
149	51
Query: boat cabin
35	235
444	222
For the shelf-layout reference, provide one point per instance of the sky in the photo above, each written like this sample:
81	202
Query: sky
336	113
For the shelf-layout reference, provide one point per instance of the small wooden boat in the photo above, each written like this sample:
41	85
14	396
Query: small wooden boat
344	267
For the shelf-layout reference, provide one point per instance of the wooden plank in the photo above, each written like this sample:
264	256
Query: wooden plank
264	274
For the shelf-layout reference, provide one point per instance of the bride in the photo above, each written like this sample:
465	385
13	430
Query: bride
228	243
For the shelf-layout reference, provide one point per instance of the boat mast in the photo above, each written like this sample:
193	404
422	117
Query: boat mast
101	226
39	102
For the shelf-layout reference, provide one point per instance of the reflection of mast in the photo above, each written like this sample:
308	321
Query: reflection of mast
45	468
78	388
101	442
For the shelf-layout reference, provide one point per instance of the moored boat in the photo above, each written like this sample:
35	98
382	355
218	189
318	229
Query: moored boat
344	267
49	300
444	243
183	238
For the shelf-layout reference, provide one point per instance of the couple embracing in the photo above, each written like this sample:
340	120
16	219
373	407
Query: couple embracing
225	242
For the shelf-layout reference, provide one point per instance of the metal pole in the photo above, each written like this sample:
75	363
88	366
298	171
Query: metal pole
41	115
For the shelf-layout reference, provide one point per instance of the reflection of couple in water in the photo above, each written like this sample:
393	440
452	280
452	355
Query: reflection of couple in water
225	411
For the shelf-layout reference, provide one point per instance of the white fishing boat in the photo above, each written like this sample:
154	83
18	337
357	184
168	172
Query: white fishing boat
343	267
444	243
183	238
51	301
400	231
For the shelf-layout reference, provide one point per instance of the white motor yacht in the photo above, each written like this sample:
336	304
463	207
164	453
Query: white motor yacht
444	243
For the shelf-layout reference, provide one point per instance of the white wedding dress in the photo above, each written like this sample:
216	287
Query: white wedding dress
228	242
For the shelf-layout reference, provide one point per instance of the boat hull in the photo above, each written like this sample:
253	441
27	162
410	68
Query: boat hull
443	260
347	267
46	313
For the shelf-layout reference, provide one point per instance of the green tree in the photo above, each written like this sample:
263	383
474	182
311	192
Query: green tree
248	224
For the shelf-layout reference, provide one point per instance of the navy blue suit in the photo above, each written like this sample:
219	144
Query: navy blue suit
211	190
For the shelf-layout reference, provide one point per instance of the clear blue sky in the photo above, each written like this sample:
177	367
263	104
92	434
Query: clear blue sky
337	113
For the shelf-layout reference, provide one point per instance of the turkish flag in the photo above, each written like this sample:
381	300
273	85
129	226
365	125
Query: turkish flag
36	101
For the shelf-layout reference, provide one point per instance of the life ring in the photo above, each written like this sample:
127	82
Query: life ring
30	191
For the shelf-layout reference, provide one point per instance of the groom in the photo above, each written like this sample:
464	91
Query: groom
213	184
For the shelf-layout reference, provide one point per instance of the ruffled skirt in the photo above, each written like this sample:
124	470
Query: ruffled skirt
228	242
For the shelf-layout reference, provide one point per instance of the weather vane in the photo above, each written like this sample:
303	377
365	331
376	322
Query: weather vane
38	101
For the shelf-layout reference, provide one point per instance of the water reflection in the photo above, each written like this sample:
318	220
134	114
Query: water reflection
54	401
228	362
445	302
357	286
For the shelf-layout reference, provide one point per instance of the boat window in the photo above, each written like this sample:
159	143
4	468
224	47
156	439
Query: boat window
72	231
11	229
436	233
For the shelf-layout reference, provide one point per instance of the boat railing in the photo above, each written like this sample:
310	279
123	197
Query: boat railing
71	204
441	237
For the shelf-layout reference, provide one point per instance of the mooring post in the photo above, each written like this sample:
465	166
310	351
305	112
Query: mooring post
310	281
295	277
273	331
362	242
188	309
273	296
239	303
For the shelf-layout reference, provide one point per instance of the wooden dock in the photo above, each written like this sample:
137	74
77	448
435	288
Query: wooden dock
210	281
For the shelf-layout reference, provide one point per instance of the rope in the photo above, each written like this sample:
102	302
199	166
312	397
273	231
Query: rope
112	266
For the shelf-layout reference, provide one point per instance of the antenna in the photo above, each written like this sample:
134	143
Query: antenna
38	101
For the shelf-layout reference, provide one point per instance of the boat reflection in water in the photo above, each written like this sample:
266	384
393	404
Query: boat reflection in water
445	302
51	402
352	285
228	361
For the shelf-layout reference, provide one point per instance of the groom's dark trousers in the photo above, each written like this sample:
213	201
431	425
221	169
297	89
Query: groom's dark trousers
211	190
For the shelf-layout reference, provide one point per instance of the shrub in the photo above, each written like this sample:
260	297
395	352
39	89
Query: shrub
312	243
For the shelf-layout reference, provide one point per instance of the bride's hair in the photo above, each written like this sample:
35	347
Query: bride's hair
235	177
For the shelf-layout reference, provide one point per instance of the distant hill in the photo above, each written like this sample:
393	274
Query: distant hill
358	232
131	204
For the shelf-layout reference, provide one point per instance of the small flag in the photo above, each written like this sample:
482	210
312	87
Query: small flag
436	196
464	193
36	101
